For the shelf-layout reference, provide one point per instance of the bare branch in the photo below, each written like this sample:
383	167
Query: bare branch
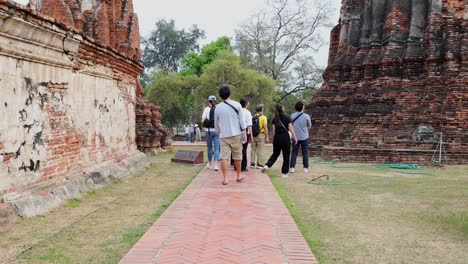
279	36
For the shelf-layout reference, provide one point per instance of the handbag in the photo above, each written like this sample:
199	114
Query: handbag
289	132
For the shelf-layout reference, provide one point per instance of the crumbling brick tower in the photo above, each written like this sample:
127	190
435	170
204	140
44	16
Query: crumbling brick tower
112	23
397	76
72	113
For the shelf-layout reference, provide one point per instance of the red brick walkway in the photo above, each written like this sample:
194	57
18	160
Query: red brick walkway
211	223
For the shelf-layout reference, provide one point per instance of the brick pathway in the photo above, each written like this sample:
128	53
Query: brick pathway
211	223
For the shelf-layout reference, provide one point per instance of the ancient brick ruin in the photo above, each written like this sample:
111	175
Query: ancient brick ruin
397	76
73	117
112	24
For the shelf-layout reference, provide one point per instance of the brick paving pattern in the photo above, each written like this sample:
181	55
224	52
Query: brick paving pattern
211	223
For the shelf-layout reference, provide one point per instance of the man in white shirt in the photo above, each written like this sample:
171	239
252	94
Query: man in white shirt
245	142
230	124
212	137
187	132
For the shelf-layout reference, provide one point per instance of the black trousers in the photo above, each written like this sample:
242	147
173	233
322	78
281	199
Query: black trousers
244	156
281	144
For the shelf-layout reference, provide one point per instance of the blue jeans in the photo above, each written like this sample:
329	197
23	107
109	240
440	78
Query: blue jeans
212	138
304	144
186	137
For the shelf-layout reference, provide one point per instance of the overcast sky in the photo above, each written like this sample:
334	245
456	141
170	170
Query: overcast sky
217	17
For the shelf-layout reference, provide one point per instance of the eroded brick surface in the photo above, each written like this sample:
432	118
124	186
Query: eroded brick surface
71	99
111	23
395	69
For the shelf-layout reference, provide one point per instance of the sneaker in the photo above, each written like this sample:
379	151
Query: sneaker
264	168
208	166
292	170
260	166
252	166
216	168
284	176
306	170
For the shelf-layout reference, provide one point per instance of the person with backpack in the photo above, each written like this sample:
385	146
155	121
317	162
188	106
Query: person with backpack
245	142
260	137
301	124
212	137
283	133
230	124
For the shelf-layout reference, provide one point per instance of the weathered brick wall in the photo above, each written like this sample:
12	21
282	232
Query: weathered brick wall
113	24
394	67
69	97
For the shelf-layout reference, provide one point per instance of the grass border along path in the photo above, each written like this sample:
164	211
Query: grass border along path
105	223
305	229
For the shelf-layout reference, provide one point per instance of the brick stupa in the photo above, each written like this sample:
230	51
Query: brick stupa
397	76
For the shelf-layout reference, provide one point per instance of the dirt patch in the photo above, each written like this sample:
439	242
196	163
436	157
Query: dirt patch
103	225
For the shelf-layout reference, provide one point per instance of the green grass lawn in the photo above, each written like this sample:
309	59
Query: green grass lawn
367	214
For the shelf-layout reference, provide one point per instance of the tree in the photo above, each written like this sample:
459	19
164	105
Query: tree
278	41
174	94
165	46
304	78
194	63
227	69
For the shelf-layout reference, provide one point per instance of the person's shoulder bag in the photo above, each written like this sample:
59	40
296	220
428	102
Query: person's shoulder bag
289	132
297	117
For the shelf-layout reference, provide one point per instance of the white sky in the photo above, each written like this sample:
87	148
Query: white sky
216	17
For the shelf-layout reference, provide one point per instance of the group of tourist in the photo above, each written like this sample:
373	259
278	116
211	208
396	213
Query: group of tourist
230	127
192	133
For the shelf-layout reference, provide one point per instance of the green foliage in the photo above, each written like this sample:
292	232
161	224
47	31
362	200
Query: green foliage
54	255
91	194
166	45
194	63
227	69
173	93
290	99
182	96
132	235
73	202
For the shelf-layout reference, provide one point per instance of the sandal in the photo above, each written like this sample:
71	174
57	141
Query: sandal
241	179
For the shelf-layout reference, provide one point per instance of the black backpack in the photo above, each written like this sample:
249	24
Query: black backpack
209	123
256	125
